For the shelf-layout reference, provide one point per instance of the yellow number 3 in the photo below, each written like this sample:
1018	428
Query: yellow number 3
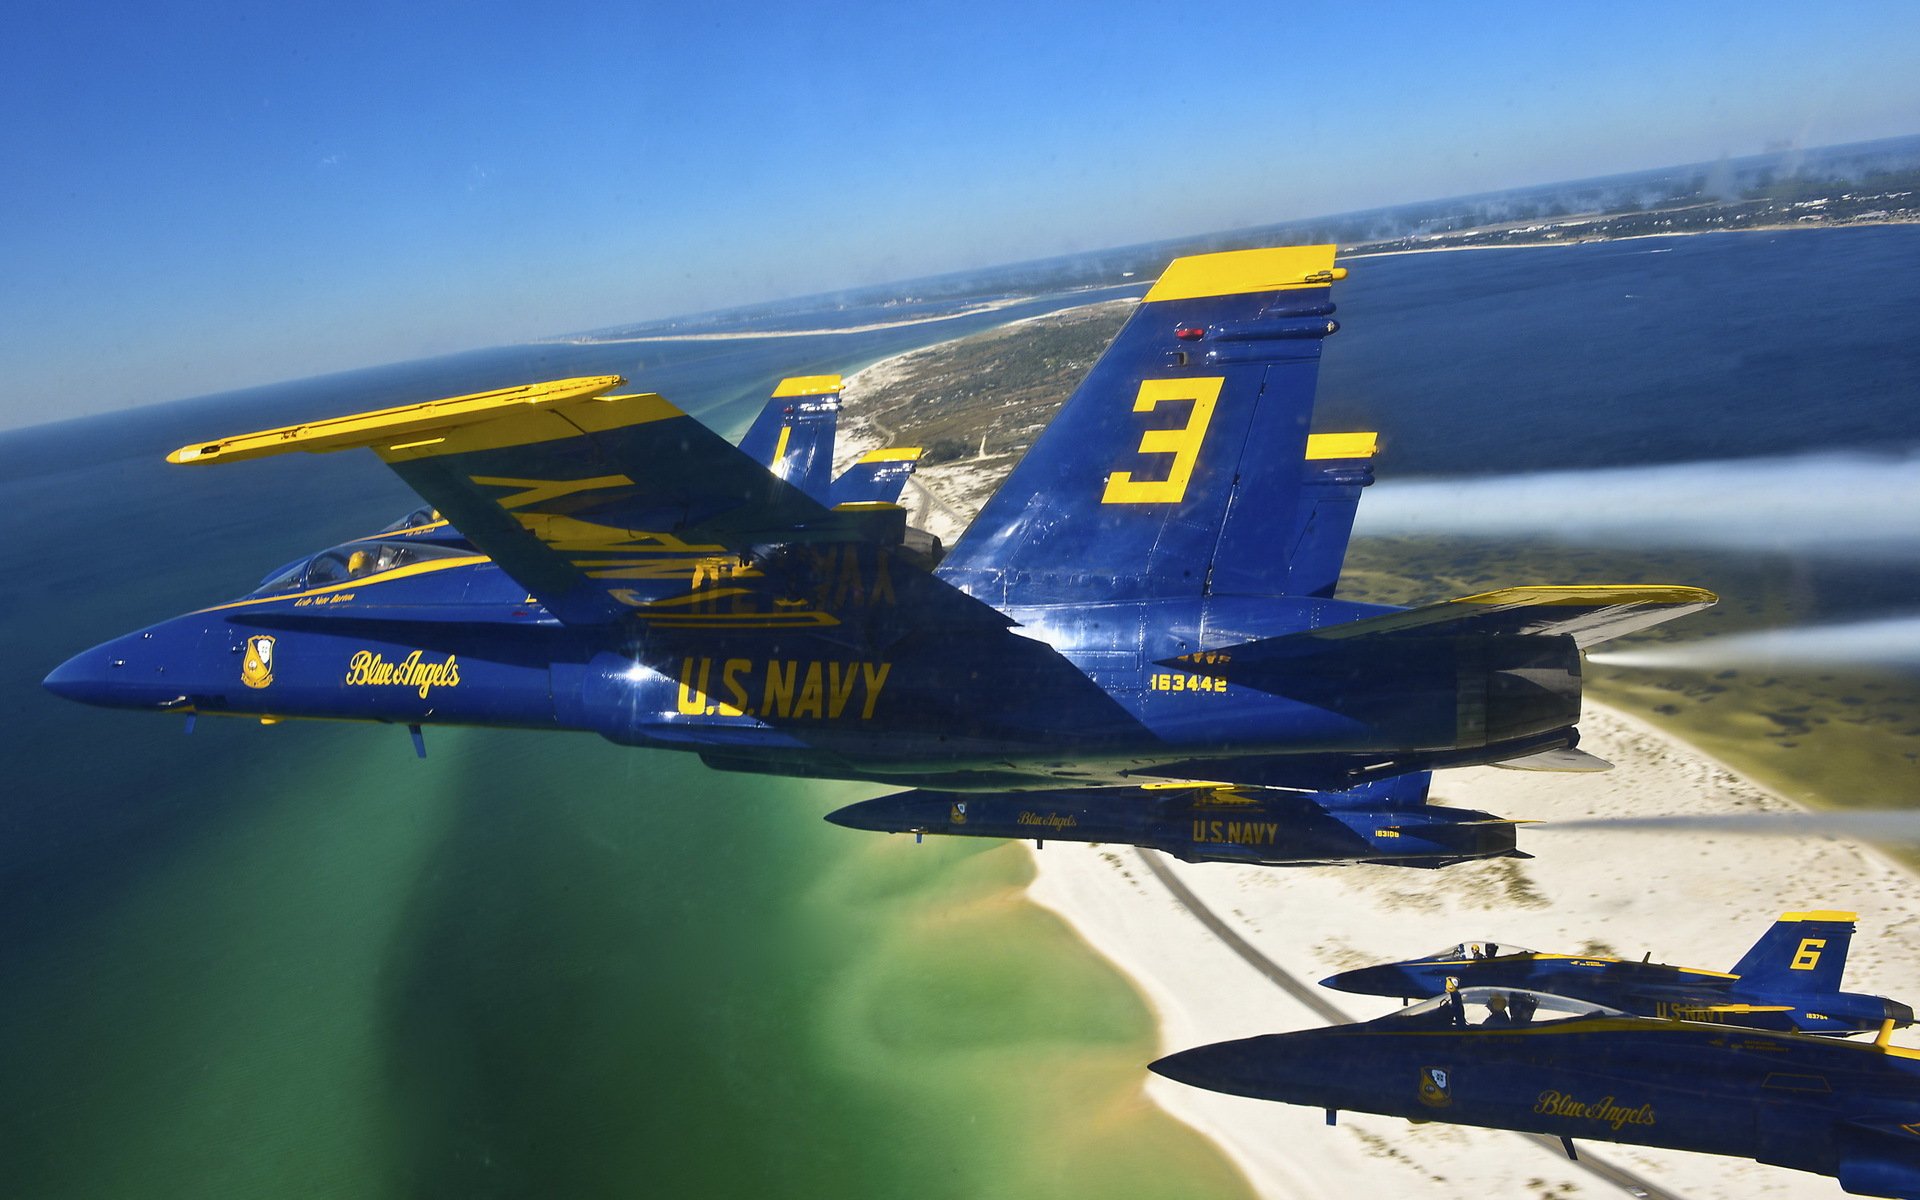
1182	443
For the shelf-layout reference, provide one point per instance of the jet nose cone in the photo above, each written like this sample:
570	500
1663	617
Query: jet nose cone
860	816
1212	1067
1382	980
125	673
1303	1067
902	812
84	677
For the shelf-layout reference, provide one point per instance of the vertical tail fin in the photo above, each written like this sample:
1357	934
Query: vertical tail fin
1177	468
793	435
1802	952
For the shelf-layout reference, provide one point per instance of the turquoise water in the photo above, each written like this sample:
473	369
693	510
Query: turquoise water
294	960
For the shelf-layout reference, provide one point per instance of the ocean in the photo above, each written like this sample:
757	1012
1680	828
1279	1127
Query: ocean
294	960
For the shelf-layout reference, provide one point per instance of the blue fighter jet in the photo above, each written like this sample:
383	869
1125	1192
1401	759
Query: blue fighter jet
1530	1061
1148	598
1790	980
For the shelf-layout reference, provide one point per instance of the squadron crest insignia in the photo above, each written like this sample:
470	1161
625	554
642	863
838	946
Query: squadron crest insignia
256	669
958	813
1436	1087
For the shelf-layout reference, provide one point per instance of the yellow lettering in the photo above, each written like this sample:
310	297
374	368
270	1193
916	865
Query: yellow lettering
840	687
849	576
778	699
875	680
692	700
1183	443
1808	956
534	491
810	695
734	666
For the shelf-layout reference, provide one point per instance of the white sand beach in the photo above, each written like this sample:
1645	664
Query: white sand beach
1692	899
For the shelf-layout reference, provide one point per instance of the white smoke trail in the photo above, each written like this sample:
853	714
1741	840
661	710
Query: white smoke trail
1887	642
1831	504
1880	825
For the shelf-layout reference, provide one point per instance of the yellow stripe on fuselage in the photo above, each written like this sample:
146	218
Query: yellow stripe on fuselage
419	568
1234	272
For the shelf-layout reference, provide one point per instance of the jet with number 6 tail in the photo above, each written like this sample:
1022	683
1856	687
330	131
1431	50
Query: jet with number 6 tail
1149	597
1789	980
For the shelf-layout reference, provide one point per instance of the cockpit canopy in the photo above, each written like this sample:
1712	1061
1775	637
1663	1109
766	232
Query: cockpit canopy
426	514
1508	1007
354	560
1474	951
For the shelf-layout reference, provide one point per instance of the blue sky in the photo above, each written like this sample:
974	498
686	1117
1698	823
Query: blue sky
204	196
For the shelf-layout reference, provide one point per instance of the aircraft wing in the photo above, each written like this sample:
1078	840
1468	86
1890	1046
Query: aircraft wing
606	506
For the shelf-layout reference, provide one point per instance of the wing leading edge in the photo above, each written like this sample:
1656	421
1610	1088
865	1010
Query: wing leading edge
609	506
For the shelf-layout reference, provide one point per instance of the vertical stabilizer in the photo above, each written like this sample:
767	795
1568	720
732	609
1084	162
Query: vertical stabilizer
1177	468
1802	952
793	435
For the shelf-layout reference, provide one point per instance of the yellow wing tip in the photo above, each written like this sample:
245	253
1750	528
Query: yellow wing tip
1342	445
1233	272
366	428
1598	594
893	454
808	385
1820	914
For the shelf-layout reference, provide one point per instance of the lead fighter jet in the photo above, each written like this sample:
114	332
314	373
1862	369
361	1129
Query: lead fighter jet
1148	598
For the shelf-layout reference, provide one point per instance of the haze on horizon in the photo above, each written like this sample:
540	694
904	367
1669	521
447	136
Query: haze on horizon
211	198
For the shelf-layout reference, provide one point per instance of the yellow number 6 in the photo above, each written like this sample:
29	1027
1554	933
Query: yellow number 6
1808	956
1182	443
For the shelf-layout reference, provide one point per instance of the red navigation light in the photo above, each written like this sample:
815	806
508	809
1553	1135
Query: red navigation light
1190	333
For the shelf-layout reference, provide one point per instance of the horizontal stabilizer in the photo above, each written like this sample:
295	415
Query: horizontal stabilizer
1566	759
876	477
1587	614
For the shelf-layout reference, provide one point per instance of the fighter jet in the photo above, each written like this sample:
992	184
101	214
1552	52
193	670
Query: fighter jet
1147	598
1790	980
1530	1061
1387	823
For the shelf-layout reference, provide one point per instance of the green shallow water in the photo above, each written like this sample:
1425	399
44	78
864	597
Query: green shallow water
539	965
297	961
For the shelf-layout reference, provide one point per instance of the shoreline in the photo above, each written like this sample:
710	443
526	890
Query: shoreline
1704	897
1630	237
1695	900
1360	251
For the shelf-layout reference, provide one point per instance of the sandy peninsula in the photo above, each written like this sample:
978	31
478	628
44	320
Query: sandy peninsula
1687	898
